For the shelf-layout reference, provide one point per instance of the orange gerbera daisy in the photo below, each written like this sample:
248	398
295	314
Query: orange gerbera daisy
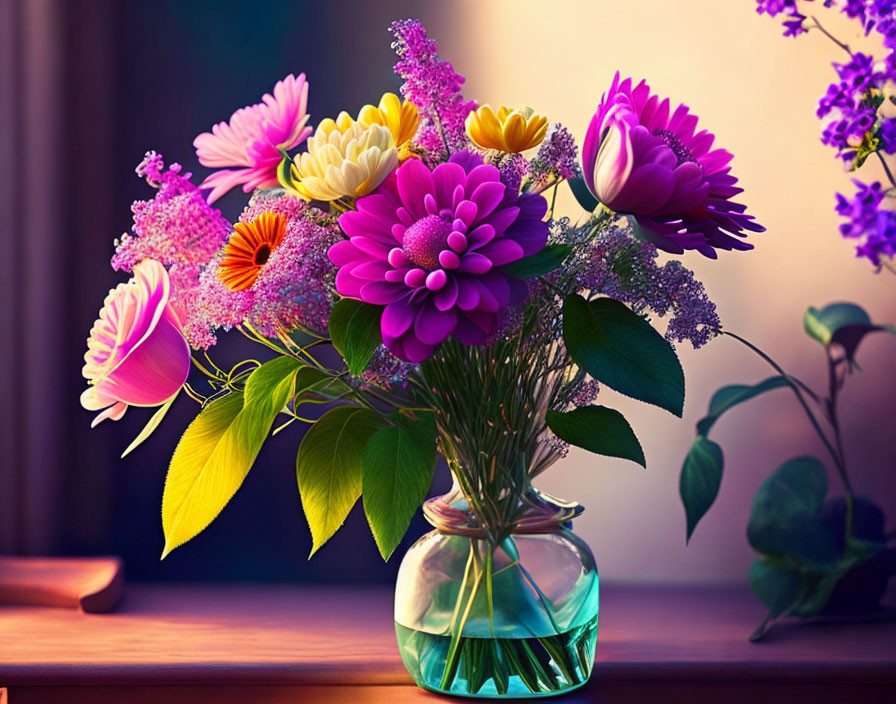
249	249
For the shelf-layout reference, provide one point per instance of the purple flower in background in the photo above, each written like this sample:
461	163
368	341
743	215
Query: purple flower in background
867	221
642	159
793	22
850	101
432	84
428	246
887	134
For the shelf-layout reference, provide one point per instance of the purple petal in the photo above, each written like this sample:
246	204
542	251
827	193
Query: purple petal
488	196
502	252
447	297
343	252
481	174
348	285
414	182
381	292
432	326
647	189
355	223
466	212
371	270
474	263
446	178
467	294
397	318
481	236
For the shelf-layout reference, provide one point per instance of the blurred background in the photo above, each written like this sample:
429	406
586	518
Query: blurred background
87	86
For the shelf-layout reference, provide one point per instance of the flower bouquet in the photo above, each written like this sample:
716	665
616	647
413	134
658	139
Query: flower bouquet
415	294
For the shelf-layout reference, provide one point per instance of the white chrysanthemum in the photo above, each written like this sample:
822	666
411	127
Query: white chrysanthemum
344	158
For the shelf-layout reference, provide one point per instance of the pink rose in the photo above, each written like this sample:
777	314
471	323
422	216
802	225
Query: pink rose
136	353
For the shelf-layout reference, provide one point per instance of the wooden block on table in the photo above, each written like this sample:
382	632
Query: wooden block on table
91	584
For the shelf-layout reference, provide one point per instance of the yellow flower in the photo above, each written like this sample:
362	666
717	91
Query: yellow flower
400	118
507	130
344	158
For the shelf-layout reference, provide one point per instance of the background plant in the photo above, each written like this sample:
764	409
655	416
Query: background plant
816	553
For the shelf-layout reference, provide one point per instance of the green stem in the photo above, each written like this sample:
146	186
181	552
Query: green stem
830	36
796	390
834	385
489	564
452	659
883	162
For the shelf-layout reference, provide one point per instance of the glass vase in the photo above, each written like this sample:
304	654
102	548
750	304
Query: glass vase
507	616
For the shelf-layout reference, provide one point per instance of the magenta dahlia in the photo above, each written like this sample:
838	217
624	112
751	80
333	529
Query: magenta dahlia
642	159
428	245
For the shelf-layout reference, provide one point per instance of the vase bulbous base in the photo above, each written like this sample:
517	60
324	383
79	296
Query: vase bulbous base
492	619
500	667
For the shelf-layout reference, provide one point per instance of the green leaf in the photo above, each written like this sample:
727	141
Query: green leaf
622	350
329	468
844	324
355	331
597	429
784	520
542	262
218	449
822	324
584	196
701	476
150	426
729	396
817	591
777	586
399	461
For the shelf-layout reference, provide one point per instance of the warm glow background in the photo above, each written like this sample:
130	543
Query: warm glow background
757	91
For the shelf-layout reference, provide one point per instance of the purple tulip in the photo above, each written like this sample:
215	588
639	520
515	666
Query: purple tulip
641	159
428	245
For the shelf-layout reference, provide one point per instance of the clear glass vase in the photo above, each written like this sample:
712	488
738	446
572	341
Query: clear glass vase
509	617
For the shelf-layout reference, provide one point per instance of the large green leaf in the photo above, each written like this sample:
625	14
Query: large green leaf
355	331
784	520
622	350
701	476
399	461
729	396
329	468
599	429
542	262
218	449
584	197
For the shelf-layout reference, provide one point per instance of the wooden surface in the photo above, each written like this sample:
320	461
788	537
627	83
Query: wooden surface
285	644
91	584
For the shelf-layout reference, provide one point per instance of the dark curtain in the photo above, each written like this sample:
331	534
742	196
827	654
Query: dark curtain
86	87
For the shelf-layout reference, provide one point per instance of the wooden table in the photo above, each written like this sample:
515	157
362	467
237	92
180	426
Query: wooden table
277	644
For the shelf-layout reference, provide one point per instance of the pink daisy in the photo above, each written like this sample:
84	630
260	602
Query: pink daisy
253	138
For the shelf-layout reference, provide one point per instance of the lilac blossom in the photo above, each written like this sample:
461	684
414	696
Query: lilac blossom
177	228
616	264
432	84
556	158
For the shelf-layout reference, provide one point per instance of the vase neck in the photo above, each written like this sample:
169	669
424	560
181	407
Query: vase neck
537	513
